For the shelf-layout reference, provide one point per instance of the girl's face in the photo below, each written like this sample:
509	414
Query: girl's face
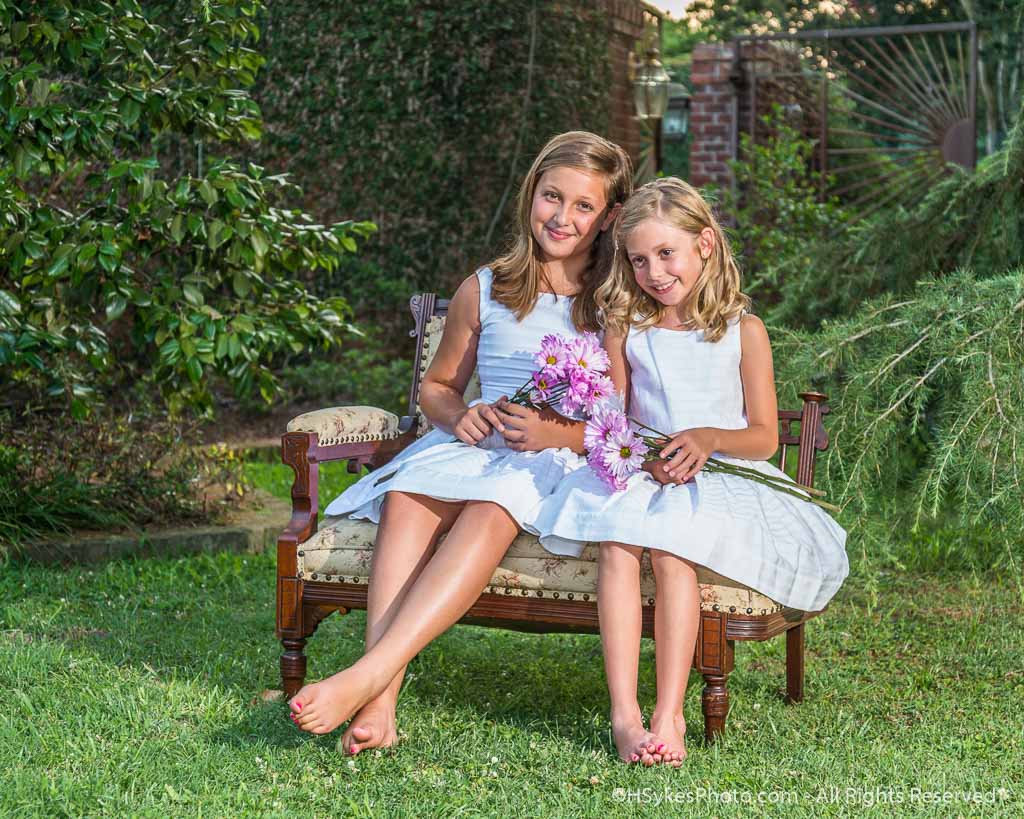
568	212
667	261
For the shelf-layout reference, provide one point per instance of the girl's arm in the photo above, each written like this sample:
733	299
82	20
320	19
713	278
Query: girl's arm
618	368
530	430
760	439
451	368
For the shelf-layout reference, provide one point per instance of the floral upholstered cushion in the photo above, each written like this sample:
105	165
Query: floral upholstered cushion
341	550
343	425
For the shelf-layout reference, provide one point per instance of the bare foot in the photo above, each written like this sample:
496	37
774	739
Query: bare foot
635	744
372	727
672	731
321	707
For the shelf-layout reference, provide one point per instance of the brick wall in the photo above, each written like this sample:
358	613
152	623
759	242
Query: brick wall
711	114
626	26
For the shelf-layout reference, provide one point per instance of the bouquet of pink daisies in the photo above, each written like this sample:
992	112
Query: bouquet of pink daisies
616	451
571	375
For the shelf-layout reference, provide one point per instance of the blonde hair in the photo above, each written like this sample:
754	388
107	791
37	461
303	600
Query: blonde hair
519	272
715	299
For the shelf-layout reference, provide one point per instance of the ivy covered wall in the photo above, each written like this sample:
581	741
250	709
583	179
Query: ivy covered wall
423	117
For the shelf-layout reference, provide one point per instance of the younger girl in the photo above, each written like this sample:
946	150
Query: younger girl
460	478
697	366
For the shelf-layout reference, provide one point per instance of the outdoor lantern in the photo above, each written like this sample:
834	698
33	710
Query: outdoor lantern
650	87
677	116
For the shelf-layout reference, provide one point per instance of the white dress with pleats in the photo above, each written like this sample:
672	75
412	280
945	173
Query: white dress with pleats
779	545
440	466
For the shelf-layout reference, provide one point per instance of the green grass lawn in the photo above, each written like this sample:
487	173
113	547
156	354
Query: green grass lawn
133	688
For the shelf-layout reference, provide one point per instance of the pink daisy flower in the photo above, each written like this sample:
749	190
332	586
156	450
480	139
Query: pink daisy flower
543	383
599	388
586	353
623	455
605	419
553	356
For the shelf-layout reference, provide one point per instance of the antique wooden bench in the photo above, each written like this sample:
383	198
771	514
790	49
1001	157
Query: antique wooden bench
325	568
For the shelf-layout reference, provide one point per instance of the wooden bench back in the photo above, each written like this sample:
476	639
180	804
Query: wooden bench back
801	429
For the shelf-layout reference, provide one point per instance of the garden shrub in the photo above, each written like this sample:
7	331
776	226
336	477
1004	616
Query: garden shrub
778	219
109	470
114	264
966	220
363	372
928	401
138	258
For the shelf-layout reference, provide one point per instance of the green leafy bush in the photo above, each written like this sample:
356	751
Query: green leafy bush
114	266
359	375
364	372
779	220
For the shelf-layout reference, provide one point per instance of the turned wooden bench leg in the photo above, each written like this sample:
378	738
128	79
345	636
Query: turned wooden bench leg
795	664
714	661
293	666
293	660
714	702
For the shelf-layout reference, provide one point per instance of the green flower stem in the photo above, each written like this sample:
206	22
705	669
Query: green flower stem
522	395
714	465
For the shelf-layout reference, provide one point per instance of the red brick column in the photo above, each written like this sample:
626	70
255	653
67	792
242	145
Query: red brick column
626	27
711	115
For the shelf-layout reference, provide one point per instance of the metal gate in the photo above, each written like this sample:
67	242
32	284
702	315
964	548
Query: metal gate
888	107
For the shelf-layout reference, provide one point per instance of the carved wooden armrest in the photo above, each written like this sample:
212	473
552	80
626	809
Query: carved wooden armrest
363	436
348	425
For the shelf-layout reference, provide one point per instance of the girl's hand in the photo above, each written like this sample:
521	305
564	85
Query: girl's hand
657	470
476	423
688	451
528	430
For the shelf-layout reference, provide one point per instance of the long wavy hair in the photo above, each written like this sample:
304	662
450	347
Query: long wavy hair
519	272
715	300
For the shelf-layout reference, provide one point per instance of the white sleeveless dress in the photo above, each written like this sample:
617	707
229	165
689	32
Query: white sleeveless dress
441	466
777	544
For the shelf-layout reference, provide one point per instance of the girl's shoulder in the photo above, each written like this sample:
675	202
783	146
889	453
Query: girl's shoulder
465	305
747	321
752	332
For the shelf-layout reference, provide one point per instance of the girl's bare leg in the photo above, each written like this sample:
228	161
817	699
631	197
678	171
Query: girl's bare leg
619	611
447	586
676	615
410	526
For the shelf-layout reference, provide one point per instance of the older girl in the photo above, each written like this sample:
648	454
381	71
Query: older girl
479	473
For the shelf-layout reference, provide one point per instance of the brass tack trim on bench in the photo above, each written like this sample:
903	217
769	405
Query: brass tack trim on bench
358	438
552	594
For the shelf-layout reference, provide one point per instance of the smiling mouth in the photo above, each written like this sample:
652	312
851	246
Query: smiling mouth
557	234
663	288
